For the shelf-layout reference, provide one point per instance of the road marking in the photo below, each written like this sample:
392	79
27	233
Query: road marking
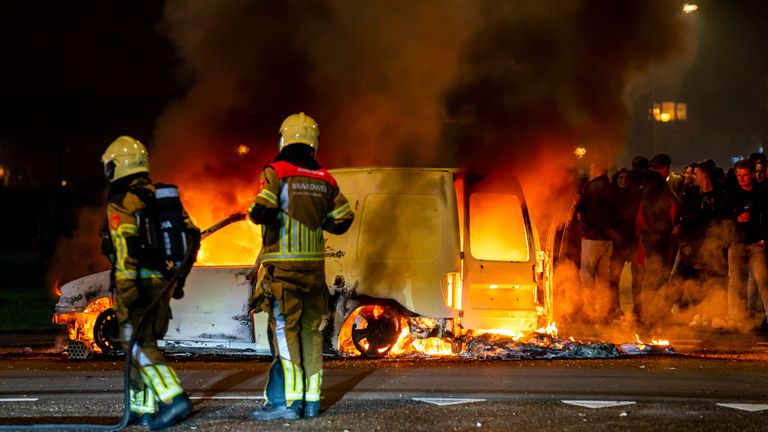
593	404
447	401
227	397
18	399
745	407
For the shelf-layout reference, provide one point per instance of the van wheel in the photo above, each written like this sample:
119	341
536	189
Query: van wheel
375	330
106	333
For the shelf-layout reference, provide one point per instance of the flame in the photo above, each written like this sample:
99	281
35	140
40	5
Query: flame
433	346
237	244
377	311
514	334
56	286
550	329
80	324
405	343
659	342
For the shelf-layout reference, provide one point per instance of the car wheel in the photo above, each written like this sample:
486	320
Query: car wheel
106	333
375	330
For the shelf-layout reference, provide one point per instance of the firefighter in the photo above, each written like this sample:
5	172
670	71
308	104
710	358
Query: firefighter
157	399
296	202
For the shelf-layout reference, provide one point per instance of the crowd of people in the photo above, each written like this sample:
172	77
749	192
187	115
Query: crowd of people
694	241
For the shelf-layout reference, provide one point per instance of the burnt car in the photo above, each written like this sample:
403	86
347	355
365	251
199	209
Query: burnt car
432	255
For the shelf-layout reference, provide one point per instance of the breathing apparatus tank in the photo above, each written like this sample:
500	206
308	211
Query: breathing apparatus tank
163	230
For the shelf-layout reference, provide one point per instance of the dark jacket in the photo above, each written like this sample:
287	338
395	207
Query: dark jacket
658	209
597	207
698	211
754	202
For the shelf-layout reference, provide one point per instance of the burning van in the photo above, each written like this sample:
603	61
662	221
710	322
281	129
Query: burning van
432	256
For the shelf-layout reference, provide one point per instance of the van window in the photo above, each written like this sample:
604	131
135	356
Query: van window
497	230
398	227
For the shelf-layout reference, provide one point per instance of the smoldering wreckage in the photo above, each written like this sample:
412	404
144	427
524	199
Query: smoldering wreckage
459	272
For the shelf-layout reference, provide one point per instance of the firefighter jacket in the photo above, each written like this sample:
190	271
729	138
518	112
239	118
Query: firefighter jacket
129	269
295	205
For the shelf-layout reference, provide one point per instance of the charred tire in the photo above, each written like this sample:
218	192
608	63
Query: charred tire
106	332
375	330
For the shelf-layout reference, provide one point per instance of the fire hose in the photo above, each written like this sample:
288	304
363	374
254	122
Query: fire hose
182	269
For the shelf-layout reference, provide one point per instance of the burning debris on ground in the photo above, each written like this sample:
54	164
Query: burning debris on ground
542	344
545	346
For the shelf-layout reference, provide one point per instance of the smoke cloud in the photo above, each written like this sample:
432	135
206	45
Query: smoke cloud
495	87
484	85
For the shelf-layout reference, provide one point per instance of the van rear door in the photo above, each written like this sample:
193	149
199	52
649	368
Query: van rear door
499	286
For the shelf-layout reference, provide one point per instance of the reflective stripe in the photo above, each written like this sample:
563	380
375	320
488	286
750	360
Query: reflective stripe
269	196
297	242
143	402
293	381
312	393
121	250
284	202
341	211
145	273
282	341
283	232
164	381
278	257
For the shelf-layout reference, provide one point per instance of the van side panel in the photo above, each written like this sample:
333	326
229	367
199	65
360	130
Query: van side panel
404	238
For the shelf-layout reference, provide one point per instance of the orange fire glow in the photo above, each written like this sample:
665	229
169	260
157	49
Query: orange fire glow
659	342
80	324
497	228
550	329
235	244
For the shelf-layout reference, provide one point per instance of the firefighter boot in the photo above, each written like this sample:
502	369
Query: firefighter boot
311	409
142	405
171	413
276	412
137	419
173	403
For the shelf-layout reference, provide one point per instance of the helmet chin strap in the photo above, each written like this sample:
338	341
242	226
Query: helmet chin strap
109	170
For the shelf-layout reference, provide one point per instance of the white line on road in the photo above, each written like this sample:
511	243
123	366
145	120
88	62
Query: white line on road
745	407
18	399
597	404
447	401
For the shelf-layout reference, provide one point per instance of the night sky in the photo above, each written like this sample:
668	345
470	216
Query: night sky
431	83
76	74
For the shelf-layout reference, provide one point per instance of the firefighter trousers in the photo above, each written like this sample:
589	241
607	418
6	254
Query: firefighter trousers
300	299
151	379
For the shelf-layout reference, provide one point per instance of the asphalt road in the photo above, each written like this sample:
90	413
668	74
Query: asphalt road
675	392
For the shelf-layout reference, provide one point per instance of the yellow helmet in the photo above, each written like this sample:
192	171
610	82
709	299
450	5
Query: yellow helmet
299	128
125	156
